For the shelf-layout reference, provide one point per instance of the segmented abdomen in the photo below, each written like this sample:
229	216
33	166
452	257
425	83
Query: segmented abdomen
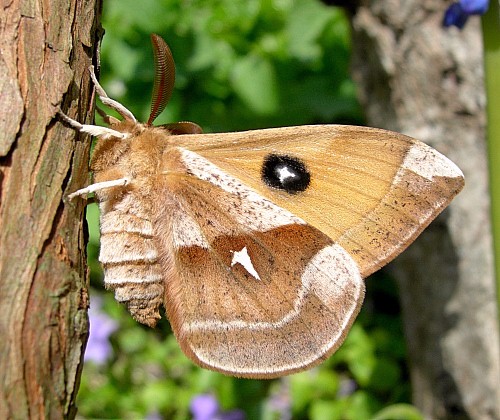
130	261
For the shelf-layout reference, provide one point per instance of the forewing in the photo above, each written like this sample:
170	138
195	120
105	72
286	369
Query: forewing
372	191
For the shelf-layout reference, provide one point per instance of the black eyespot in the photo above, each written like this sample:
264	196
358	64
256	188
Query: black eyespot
285	173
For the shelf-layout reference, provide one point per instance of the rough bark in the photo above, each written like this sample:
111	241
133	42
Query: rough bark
420	79
46	47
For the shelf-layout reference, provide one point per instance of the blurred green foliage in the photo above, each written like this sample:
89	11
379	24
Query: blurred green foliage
241	64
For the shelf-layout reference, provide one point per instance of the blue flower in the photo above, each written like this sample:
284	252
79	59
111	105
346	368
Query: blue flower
101	327
458	13
206	407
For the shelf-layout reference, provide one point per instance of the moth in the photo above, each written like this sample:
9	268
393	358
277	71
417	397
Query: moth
255	242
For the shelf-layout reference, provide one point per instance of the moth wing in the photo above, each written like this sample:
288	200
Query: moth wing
372	191
253	290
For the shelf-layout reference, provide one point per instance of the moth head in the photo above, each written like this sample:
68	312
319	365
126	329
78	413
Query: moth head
109	150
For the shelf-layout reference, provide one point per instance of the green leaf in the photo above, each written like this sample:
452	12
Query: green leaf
361	405
157	394
358	353
254	81
302	390
386	374
326	410
307	20
132	340
399	412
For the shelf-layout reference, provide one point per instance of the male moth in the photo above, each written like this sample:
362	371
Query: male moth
257	242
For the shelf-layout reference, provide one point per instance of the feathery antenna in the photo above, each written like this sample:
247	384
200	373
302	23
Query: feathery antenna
164	76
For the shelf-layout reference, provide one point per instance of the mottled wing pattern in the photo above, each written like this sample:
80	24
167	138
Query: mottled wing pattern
371	191
287	305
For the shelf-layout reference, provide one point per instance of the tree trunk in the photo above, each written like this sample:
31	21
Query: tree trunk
46	47
421	79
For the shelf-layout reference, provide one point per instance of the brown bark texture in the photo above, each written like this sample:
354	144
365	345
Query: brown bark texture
421	79
46	47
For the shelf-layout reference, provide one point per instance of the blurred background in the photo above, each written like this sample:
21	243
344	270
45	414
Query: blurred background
240	64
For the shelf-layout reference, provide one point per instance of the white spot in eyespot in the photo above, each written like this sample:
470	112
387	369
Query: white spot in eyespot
284	173
243	258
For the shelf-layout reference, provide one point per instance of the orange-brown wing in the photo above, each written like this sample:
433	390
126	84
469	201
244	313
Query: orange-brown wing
371	191
253	290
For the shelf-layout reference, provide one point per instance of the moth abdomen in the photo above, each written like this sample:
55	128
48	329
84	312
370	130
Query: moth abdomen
130	260
143	304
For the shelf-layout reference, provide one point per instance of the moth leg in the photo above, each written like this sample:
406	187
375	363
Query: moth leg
108	119
94	130
99	186
106	100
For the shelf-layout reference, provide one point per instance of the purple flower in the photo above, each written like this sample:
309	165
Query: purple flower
347	387
154	415
458	13
280	405
206	407
101	327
